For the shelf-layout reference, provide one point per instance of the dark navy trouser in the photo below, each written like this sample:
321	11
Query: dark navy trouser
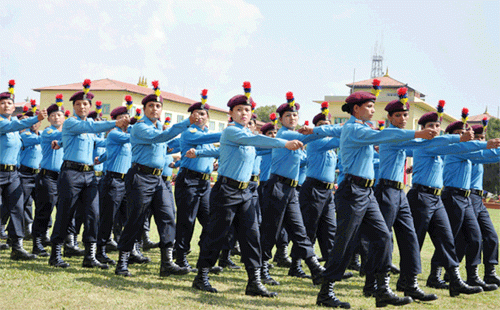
429	215
397	214
111	197
358	210
28	182
45	200
230	206
11	194
147	193
283	235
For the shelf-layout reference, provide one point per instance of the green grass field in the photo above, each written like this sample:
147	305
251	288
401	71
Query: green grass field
36	285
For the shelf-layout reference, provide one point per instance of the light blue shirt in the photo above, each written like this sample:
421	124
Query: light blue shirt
149	141
237	151
119	151
78	140
10	140
51	159
321	159
200	139
31	151
265	166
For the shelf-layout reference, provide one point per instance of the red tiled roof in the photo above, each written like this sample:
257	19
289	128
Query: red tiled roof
385	81
479	118
21	104
109	84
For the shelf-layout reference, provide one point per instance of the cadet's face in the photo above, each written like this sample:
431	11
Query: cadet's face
399	119
153	109
241	114
7	106
433	126
321	123
56	119
81	107
271	133
252	125
201	118
480	137
290	119
365	111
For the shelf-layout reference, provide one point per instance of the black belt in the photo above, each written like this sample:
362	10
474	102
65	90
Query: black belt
287	181
77	166
116	175
50	173
98	173
320	184
199	175
455	190
393	184
148	170
166	178
429	190
8	168
233	183
359	180
254	178
23	168
478	192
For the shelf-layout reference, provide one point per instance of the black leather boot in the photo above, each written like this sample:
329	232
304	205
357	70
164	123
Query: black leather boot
401	284
370	288
111	245
385	296
136	256
225	260
122	264
490	275
414	291
89	260
4	246
473	279
18	251
394	269
327	298
70	248
215	269
103	257
147	243
265	276
281	257
3	234
167	266
201	281
46	239
38	248
236	251
56	256
434	280
181	261
296	269
255	286
458	286
354	264
316	269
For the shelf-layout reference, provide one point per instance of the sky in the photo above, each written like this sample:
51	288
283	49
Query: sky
445	49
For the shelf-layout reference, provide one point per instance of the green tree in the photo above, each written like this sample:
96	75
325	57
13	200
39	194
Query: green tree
491	177
263	112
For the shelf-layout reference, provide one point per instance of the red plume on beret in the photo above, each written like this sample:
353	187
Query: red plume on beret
67	113
167	119
25	109
128	98
59	96
204	92
289	96
306	123
87	82
381	123
33	102
402	91
155	84
376	82
247	85
272	116
138	111
324	104
465	112
12	83
441	103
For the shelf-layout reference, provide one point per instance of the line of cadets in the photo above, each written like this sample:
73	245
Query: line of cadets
261	197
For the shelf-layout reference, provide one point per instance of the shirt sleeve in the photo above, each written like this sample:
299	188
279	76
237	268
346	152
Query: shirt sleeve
457	148
16	125
103	157
144	134
327	144
239	136
328	130
364	135
119	137
74	126
437	141
210	152
293	135
200	137
30	139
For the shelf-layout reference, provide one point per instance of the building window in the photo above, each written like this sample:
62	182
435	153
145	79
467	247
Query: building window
105	108
211	125
339	120
221	126
180	118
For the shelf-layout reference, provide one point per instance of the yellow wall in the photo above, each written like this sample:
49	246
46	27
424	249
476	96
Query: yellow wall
116	99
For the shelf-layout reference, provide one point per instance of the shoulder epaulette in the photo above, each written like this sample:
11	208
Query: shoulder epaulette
50	131
193	130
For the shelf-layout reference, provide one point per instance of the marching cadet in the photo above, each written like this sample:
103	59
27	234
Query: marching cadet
29	166
46	180
281	202
78	179
231	200
392	199
11	191
192	186
357	208
316	194
145	190
429	214
455	197
118	161
490	236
